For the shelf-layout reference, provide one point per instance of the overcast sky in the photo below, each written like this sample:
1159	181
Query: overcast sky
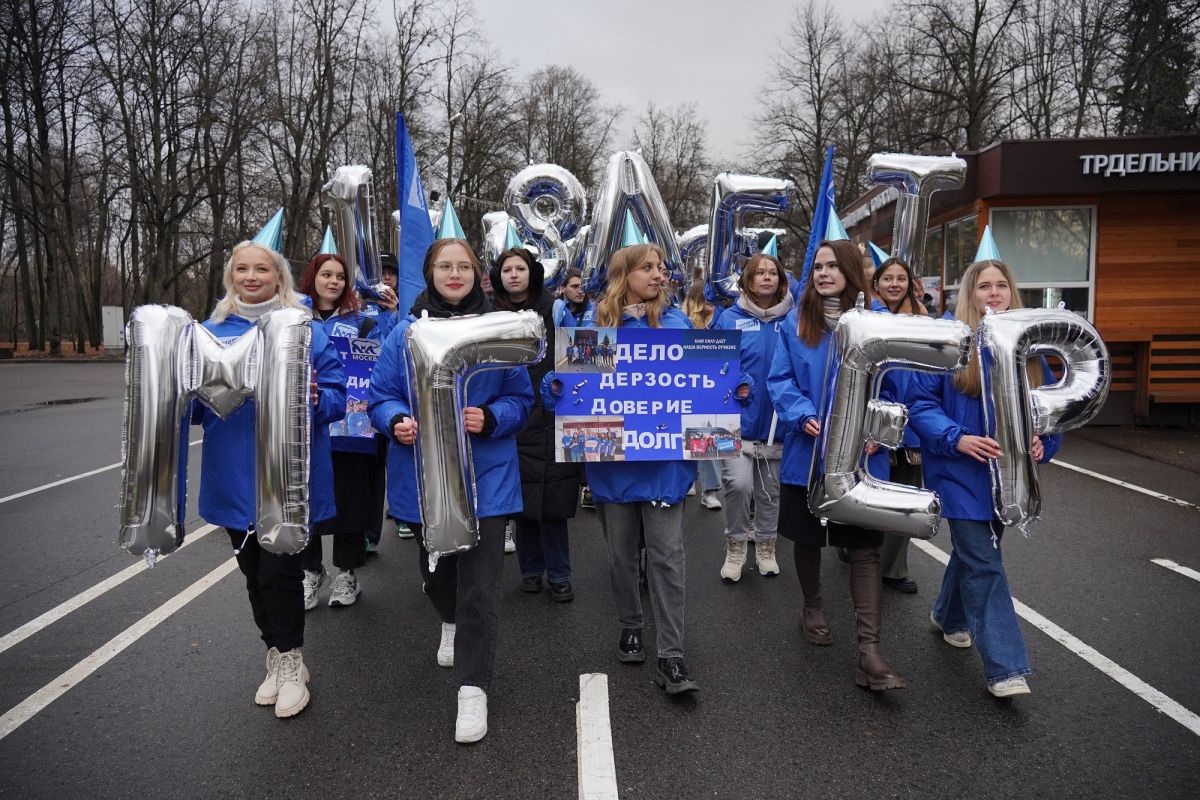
715	53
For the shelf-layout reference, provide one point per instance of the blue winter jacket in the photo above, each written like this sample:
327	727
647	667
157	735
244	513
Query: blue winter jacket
227	494
506	393
643	481
941	415
563	318
795	382
758	343
348	326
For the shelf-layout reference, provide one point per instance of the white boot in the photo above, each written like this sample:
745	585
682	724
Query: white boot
293	684
471	725
764	554
735	559
268	690
445	655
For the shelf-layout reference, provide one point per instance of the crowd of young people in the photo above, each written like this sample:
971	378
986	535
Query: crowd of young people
510	415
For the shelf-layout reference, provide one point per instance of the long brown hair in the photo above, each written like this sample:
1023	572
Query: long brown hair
610	307
756	263
812	312
697	307
346	303
969	381
911	304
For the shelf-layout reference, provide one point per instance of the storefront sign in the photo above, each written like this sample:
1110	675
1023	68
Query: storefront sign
1122	164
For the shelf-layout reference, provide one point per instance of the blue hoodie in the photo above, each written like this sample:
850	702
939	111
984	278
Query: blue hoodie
227	493
643	481
758	343
941	414
795	383
506	393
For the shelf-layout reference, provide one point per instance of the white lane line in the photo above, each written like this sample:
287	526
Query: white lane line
1112	669
21	713
88	595
71	479
597	767
1187	572
1132	486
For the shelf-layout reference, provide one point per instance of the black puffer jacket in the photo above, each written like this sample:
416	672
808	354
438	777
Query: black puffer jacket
550	491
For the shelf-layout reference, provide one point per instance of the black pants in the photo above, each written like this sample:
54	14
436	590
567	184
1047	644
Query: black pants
349	551
465	591
275	584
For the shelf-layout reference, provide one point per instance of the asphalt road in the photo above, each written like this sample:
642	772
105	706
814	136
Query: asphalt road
172	715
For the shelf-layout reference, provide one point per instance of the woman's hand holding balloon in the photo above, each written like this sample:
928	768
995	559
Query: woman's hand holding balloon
405	431
980	448
473	419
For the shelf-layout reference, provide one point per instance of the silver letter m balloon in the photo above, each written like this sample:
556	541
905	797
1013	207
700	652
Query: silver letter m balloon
172	360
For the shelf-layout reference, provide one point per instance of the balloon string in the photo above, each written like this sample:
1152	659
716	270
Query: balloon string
238	550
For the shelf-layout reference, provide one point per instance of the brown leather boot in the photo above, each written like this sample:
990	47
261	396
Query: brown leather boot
812	619
866	587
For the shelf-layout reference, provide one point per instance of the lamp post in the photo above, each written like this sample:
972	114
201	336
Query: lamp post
450	153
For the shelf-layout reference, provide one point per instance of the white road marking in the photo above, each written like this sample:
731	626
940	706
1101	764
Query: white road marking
21	713
597	767
1187	572
88	595
1132	682
71	479
1133	486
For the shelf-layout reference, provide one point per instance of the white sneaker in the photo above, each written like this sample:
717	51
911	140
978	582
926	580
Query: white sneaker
711	501
268	690
345	590
735	559
961	639
446	647
403	531
314	581
510	544
692	490
764	554
1009	688
471	725
293	684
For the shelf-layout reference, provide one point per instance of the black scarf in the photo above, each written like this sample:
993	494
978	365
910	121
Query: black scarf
474	303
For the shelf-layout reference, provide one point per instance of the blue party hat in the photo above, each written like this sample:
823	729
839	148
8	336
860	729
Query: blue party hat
631	234
271	234
449	227
877	254
511	238
327	244
834	231
771	248
987	247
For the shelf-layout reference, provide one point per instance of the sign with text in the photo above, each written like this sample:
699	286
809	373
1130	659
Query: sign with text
646	394
358	359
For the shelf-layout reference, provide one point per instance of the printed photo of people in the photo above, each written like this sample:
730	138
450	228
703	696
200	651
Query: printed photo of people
590	439
356	422
711	436
585	349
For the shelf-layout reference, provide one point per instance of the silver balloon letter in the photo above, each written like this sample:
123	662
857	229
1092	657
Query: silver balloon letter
916	178
734	195
1016	413
441	356
865	344
348	194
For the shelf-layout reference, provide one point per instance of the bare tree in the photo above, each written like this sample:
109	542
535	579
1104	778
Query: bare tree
674	143
564	121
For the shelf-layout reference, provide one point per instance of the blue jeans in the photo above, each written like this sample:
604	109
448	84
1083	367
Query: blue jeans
543	547
975	597
710	476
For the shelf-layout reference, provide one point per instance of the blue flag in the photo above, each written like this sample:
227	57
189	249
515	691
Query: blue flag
416	232
820	217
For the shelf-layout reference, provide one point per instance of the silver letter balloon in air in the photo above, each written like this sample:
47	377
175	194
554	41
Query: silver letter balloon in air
733	196
1016	413
153	439
864	345
441	357
348	195
916	178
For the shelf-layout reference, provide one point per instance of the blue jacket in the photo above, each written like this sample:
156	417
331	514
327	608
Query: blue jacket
643	481
348	326
227	494
385	320
563	318
758	343
506	393
795	383
941	415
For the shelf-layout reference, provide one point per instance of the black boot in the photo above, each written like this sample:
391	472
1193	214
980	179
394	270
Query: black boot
812	618
672	676
866	588
629	649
